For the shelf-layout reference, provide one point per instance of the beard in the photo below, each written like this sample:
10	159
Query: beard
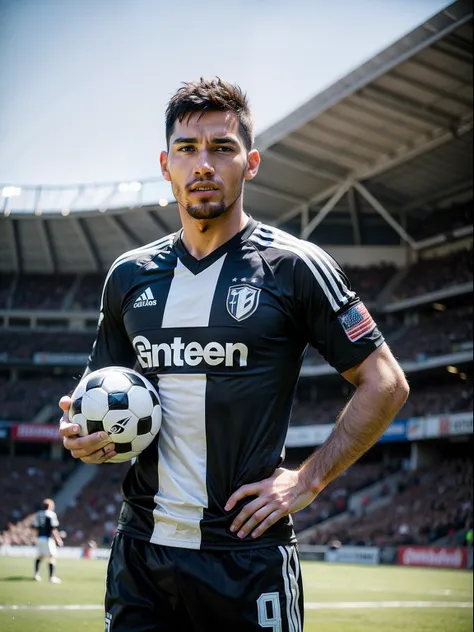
206	210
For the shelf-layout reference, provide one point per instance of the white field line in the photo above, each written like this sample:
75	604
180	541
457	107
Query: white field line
51	607
359	605
312	605
388	589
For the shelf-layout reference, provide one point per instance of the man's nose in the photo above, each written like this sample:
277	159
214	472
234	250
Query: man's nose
203	166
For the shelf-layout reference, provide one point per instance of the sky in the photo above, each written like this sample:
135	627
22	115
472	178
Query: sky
84	83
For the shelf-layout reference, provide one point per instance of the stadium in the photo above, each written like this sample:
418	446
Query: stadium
377	170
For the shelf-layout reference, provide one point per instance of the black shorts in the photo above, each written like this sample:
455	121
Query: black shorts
153	588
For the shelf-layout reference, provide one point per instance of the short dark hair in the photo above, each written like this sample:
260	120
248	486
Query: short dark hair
210	95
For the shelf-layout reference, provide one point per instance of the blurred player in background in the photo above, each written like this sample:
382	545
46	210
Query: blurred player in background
46	523
205	538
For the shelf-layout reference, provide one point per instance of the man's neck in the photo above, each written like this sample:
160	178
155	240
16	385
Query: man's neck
202	237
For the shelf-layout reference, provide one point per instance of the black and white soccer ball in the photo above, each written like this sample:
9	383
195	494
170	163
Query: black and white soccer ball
120	402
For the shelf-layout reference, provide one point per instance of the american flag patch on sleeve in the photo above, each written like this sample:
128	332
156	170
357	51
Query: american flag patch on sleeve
357	322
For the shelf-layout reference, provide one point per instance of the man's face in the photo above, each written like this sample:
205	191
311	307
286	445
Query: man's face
207	163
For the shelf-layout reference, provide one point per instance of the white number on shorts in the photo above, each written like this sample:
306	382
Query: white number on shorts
269	611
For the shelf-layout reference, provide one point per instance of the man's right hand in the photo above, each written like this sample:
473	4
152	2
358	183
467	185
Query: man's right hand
94	449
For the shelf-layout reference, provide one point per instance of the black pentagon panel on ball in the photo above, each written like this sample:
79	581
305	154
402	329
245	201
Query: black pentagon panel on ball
135	380
95	382
154	398
144	425
118	401
76	407
94	426
121	448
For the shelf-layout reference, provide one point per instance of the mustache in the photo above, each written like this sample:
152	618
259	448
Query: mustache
194	183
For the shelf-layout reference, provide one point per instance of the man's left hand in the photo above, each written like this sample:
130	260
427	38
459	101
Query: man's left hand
281	494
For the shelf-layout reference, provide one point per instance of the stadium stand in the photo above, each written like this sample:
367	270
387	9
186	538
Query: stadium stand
369	281
24	344
87	295
334	499
93	514
428	275
41	291
426	333
25	482
21	400
435	334
424	400
431	503
5	287
436	223
38	291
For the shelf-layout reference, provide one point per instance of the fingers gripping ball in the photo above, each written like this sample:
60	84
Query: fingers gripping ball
120	402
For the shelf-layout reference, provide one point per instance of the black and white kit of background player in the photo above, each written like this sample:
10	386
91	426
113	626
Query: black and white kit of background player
46	524
207	508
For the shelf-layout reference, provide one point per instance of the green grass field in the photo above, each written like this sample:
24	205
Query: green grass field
338	598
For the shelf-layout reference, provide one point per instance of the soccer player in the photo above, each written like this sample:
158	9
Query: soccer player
219	316
46	523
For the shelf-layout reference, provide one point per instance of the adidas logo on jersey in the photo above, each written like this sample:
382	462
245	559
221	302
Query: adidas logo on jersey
146	299
179	353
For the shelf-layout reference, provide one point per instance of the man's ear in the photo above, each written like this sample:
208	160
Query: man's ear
253	163
164	166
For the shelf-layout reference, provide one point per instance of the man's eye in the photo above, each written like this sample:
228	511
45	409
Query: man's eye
224	149
186	148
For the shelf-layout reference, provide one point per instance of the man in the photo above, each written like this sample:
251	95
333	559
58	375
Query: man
46	523
205	539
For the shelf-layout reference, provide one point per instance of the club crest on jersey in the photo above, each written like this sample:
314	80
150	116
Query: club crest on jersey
242	301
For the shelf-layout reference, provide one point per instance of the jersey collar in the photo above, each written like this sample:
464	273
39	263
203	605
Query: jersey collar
198	265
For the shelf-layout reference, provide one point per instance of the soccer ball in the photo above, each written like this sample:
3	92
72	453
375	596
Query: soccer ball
123	403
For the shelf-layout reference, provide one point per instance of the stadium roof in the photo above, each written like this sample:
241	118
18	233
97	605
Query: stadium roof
394	137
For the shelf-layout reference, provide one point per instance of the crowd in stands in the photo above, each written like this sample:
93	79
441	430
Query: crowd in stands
334	499
40	291
369	281
431	504
94	513
429	275
24	344
88	292
436	399
426	400
437	334
427	504
26	481
22	400
52	292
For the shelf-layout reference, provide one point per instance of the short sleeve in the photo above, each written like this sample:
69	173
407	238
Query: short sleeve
54	520
334	319
112	346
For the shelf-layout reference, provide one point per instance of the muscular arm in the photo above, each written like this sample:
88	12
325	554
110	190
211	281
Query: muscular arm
381	390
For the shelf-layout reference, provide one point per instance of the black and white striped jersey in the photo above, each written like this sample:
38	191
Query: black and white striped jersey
45	522
223	338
